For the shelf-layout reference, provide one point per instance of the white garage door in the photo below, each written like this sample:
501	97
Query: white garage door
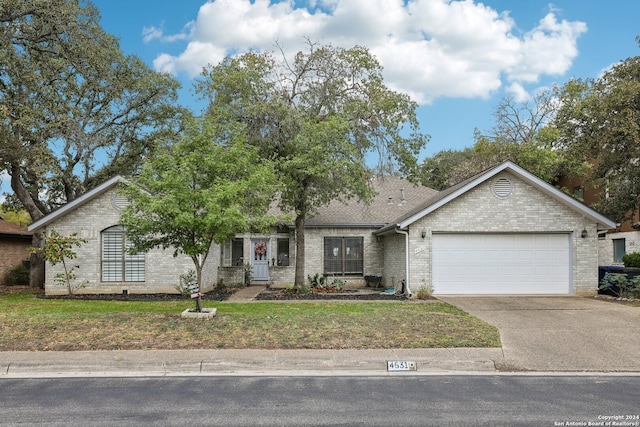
501	264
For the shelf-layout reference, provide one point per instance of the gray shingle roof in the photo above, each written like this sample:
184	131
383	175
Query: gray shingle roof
386	207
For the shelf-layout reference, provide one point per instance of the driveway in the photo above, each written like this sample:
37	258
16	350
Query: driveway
560	333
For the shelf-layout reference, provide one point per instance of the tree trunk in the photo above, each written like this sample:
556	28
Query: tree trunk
198	299
36	262
299	276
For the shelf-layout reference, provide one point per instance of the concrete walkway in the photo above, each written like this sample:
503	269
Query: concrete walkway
247	293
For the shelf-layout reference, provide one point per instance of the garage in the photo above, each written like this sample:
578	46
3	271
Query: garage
501	263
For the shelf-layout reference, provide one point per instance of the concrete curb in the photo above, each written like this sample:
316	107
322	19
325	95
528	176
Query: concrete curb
243	362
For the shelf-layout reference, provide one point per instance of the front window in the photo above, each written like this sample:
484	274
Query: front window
619	249
237	252
118	265
283	252
343	256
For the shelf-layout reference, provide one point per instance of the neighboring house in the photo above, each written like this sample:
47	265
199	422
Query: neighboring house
503	231
615	243
14	244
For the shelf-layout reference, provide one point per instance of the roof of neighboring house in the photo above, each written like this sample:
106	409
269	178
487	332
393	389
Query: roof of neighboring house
394	198
457	190
9	229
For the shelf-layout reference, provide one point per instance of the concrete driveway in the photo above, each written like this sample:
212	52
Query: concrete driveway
542	333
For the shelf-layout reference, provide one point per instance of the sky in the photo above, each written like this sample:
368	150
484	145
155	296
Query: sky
456	59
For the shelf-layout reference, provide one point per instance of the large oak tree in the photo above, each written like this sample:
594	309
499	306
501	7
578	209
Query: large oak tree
320	116
74	110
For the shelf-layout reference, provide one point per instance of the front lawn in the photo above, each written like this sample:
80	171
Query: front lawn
31	323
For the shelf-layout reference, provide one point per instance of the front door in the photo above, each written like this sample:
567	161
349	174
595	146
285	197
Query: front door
260	260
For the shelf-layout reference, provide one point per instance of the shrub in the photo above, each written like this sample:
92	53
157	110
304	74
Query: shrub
620	285
317	281
186	279
631	260
424	292
17	276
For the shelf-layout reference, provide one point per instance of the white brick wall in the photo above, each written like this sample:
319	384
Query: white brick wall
526	210
88	220
605	246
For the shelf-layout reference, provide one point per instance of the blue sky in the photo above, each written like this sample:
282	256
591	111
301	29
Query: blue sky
456	58
476	52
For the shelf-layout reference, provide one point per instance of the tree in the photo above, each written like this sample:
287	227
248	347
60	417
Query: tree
524	133
73	109
600	123
57	249
207	187
319	117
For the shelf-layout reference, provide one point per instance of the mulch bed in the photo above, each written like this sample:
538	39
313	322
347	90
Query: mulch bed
287	294
215	295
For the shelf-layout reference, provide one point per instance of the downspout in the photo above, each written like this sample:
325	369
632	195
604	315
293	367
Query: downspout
406	258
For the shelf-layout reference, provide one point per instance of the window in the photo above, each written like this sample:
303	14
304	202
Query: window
237	252
118	265
343	256
283	252
619	249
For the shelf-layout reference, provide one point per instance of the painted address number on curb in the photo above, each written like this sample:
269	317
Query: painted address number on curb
401	365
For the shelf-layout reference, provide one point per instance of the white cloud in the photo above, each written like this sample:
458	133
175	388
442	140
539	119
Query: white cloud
153	33
518	92
429	48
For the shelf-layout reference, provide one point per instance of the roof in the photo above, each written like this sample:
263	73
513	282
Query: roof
76	203
446	196
394	198
9	229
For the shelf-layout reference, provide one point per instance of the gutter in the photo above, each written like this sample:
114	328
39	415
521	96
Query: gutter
406	258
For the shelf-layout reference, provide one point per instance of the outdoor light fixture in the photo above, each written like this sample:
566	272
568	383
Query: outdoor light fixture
584	233
424	233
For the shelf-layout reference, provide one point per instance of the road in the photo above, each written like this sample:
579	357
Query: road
323	401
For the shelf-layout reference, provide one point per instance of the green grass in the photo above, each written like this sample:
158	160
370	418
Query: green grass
30	323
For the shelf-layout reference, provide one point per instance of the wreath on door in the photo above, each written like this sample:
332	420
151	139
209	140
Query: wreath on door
261	248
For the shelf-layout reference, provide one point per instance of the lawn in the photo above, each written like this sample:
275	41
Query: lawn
35	324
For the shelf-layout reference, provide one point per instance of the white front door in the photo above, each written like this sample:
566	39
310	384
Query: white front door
501	264
260	260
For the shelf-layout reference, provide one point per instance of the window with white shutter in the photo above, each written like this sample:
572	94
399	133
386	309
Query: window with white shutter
118	265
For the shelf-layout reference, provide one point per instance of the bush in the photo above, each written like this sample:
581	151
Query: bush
620	285
424	292
631	260
17	276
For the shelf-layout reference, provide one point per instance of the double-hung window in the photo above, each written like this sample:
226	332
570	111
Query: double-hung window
118	264
344	256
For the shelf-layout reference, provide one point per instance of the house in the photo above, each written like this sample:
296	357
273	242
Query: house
503	231
14	244
615	243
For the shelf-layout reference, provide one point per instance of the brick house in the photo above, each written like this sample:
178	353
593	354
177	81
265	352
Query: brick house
503	231
615	243
14	242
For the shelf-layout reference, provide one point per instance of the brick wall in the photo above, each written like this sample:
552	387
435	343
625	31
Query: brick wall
13	251
605	246
526	210
162	269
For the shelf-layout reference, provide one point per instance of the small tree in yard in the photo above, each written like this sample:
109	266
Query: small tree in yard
57	249
206	188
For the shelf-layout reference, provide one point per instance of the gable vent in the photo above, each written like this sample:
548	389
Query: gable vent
120	201
502	187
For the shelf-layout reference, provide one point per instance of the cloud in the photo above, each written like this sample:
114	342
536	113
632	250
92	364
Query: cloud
153	33
428	48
